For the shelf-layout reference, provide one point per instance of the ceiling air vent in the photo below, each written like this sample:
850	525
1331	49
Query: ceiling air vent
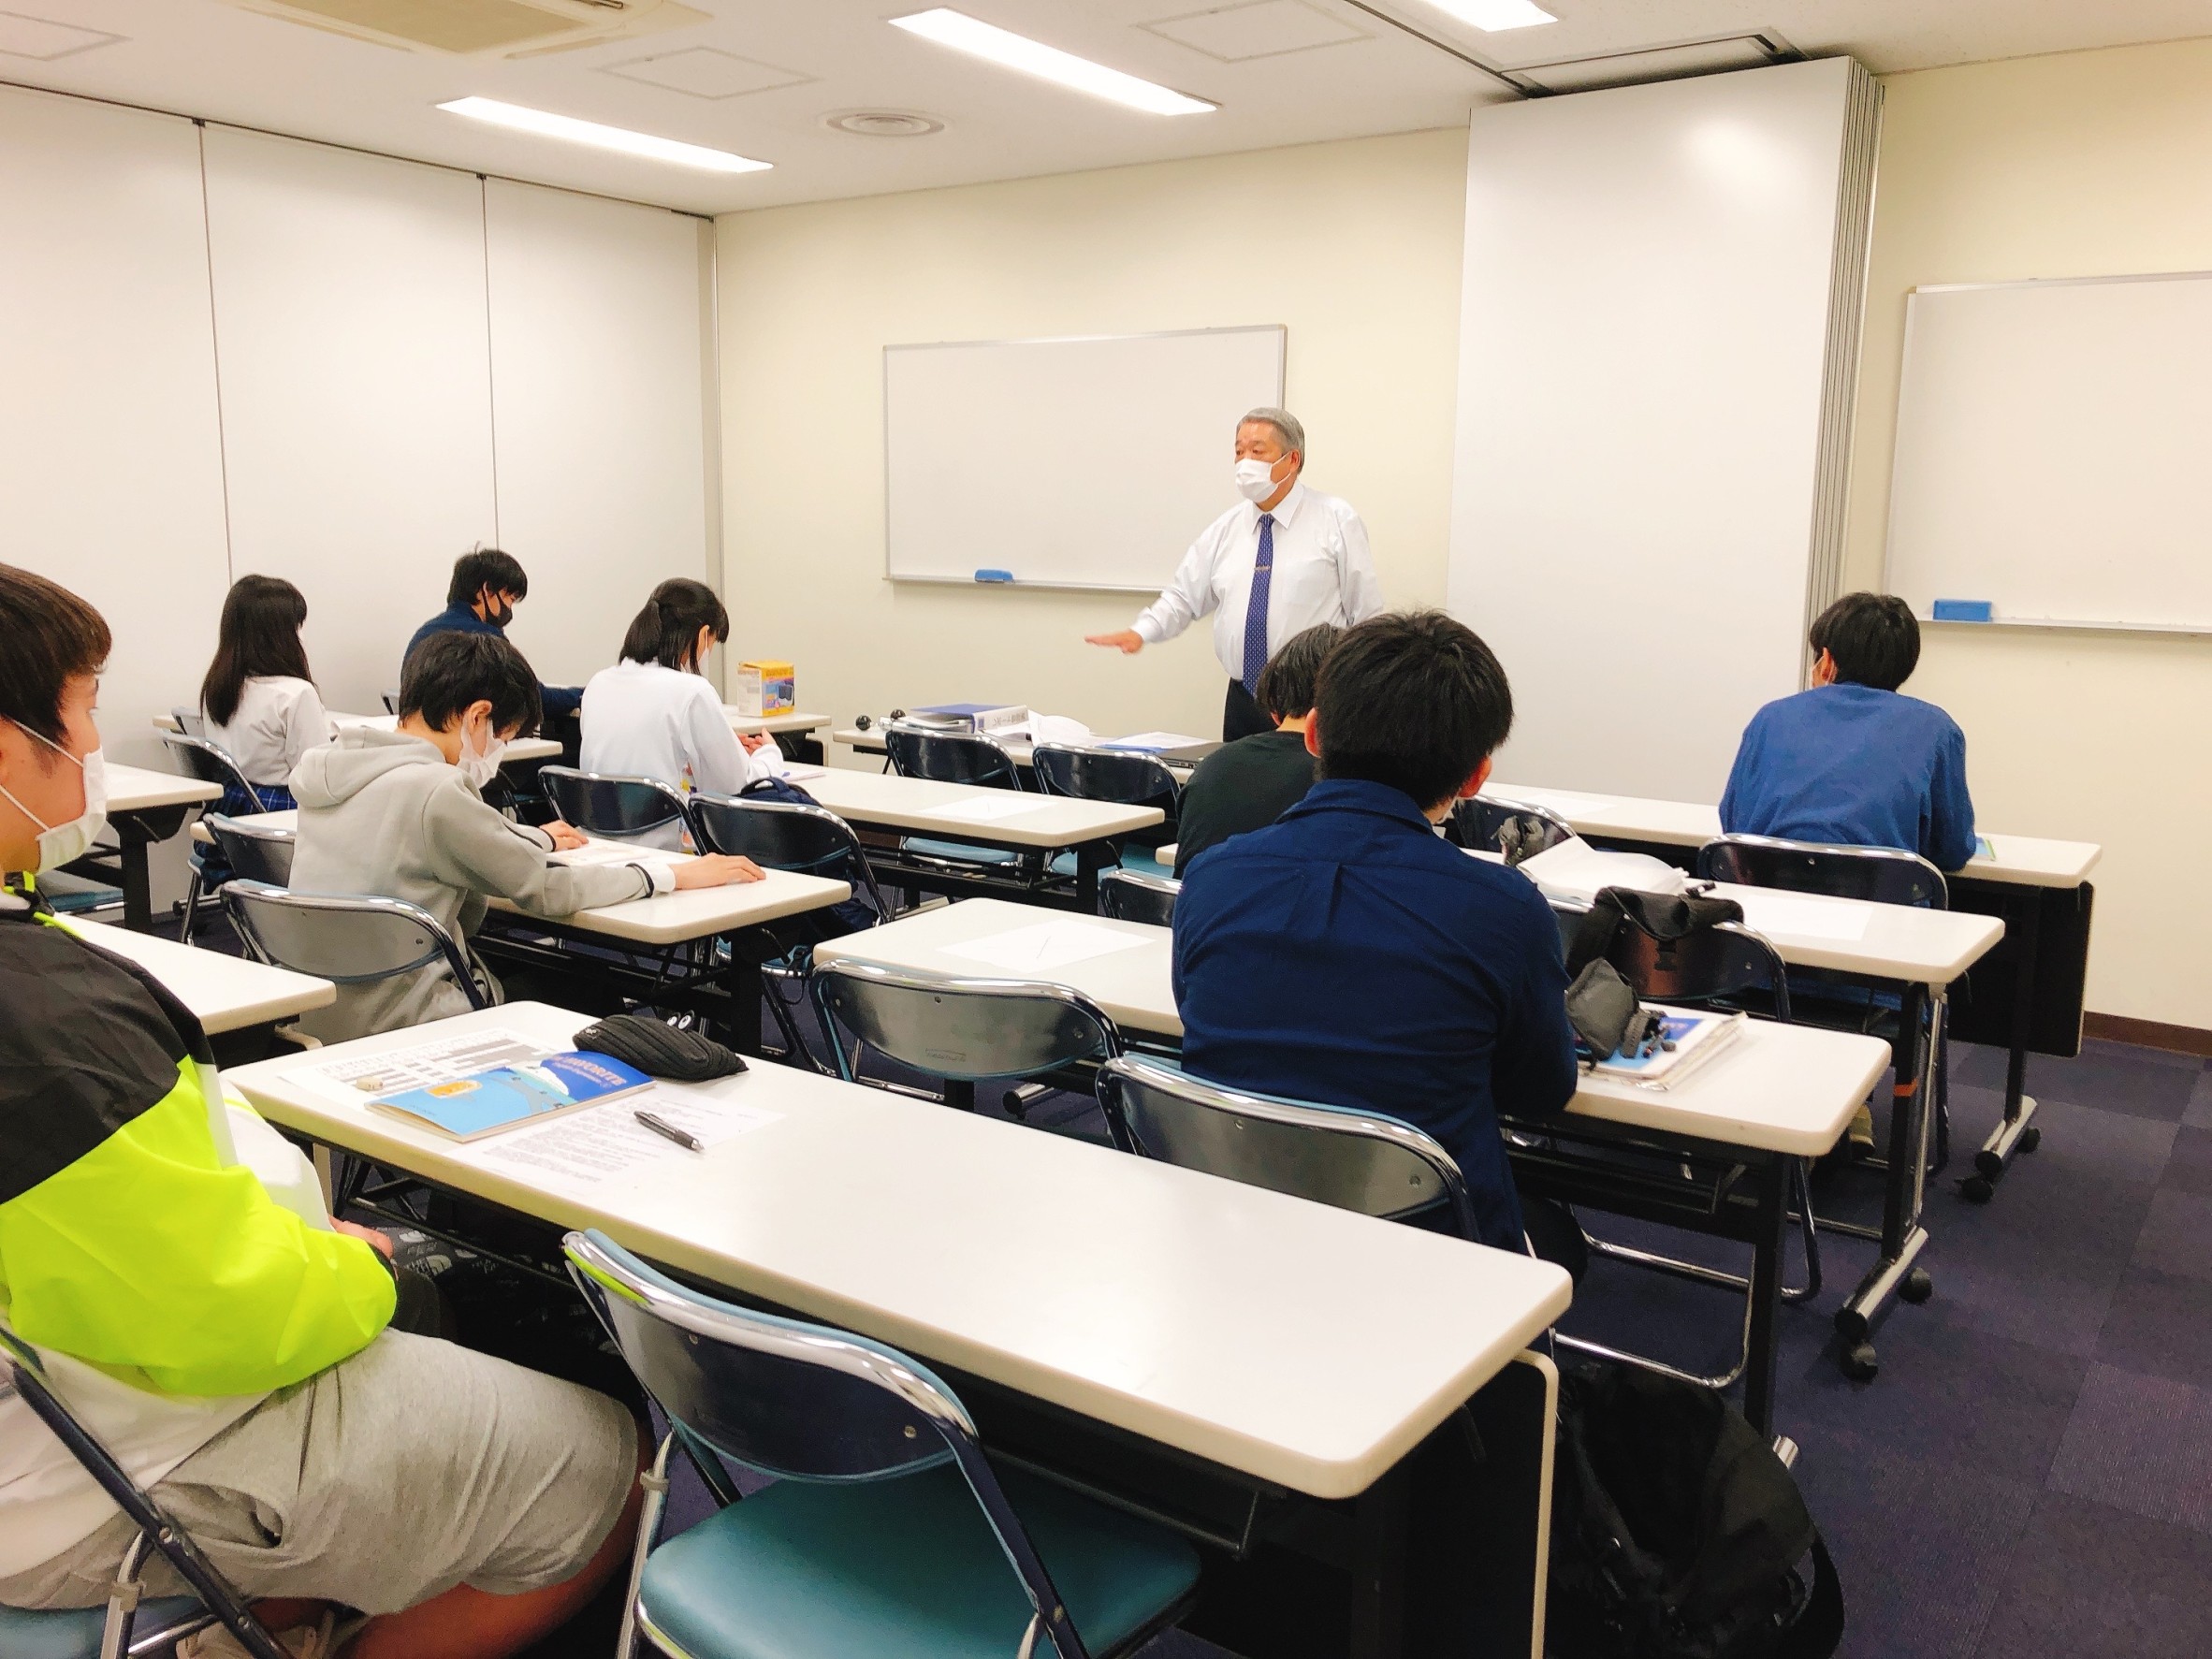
507	28
885	123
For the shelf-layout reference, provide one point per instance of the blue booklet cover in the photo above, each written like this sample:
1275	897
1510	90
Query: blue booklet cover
485	1102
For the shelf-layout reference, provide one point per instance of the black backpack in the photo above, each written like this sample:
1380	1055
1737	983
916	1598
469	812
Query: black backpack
1676	1532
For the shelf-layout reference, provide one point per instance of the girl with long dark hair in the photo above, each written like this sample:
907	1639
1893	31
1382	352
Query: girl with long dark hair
259	698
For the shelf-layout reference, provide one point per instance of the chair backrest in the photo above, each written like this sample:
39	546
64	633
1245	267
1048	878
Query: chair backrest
391	701
785	836
1115	775
618	808
1877	875
346	938
21	1371
1715	962
257	851
800	1401
949	757
191	721
209	761
962	1028
1482	822
1350	1160
1131	896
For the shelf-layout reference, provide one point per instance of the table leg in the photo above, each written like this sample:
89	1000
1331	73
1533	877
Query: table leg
2016	1132
741	978
1902	1236
138	885
1090	858
1766	1294
1380	1528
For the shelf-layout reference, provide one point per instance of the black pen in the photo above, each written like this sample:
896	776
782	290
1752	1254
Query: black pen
662	1127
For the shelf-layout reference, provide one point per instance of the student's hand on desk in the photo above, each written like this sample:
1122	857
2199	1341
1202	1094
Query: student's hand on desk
718	869
754	742
566	837
381	1242
1128	641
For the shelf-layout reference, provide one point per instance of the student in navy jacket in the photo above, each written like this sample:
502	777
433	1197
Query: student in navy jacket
1348	954
1852	761
481	598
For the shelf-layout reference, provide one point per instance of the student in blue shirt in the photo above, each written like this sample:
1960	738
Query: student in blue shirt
1851	762
481	598
1348	954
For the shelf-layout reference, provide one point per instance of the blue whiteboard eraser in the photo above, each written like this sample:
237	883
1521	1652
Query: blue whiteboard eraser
993	576
1964	610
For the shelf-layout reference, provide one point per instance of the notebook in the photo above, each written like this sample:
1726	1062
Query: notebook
486	1103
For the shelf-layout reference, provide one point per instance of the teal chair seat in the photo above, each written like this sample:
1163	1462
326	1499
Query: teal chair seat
74	1633
806	1570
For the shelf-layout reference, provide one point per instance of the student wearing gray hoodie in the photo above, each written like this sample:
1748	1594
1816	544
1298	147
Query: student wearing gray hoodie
397	814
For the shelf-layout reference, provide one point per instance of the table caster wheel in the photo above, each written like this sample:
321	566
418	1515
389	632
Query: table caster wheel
1977	1189
1859	1363
1917	1287
2030	1138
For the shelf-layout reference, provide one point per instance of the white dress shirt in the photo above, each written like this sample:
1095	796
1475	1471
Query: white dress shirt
643	720
1323	573
278	719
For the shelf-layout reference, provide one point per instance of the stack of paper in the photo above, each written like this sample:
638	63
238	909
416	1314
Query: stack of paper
1575	869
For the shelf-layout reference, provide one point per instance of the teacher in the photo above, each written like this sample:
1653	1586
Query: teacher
1284	560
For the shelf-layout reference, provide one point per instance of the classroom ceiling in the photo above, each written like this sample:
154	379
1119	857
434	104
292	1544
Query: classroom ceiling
766	78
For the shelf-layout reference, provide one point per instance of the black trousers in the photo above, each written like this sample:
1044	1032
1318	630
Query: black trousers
1241	717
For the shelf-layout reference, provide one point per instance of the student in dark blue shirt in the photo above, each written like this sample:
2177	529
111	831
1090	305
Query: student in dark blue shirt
481	598
1348	954
1851	762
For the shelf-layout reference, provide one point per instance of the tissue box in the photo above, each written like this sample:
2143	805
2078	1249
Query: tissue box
764	688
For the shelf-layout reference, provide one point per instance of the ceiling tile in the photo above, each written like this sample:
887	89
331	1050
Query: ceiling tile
705	72
1257	29
39	37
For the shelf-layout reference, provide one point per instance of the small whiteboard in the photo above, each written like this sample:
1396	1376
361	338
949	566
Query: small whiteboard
1071	463
2054	452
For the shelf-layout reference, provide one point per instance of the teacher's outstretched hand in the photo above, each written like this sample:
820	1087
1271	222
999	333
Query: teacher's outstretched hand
1284	560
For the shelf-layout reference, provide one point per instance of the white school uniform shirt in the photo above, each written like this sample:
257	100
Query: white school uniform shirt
1323	573
278	719
643	720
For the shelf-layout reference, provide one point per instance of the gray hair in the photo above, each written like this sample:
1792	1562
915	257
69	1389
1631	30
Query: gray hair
1286	425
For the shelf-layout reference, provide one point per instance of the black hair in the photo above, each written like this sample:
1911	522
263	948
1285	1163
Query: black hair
47	638
1412	699
486	567
259	634
1872	637
1286	688
667	630
447	672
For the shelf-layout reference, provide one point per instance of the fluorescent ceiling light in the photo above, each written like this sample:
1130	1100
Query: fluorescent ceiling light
957	30
1496	16
547	125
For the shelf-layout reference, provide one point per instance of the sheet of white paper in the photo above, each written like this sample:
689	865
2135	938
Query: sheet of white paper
617	853
1802	918
991	809
382	722
797	773
1043	947
1157	740
586	1149
396	1070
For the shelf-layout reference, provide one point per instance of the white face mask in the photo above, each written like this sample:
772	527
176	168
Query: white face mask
65	843
1256	479
479	766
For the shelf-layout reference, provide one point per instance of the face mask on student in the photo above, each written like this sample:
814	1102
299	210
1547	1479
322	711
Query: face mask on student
479	766
65	843
498	614
1256	479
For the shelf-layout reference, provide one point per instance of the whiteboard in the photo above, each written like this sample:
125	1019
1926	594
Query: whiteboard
1072	463
2051	451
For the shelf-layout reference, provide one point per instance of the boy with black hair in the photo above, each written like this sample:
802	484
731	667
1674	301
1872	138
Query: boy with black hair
397	814
1852	761
480	598
1249	783
1348	954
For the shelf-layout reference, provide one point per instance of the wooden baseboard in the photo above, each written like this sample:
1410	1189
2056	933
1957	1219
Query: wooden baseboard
2179	1039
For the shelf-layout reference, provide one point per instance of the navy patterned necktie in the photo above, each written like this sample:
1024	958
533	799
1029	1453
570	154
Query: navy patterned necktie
1263	570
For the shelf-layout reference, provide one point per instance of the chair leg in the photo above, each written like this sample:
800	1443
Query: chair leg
799	1053
648	1524
192	893
123	1601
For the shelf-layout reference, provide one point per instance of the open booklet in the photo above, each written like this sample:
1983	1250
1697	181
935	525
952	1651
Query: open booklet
1687	1039
503	1096
1576	870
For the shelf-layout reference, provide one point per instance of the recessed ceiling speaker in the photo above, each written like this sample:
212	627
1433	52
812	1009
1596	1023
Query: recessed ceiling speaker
885	123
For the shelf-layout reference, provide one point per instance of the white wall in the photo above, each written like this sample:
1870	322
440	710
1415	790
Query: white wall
1354	246
2088	164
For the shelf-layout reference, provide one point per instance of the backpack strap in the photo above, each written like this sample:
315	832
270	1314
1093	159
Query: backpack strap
1819	1629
